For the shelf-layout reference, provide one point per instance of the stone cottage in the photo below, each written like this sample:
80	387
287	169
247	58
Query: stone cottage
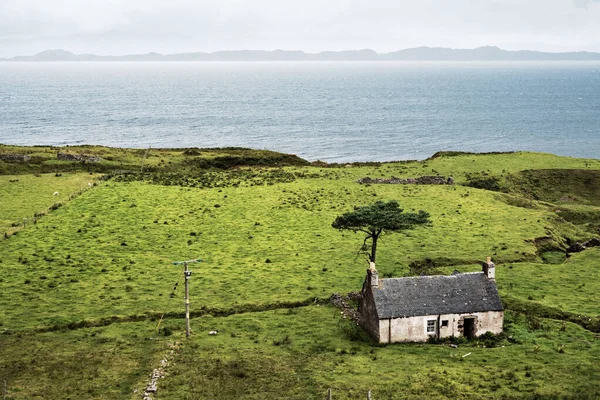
415	308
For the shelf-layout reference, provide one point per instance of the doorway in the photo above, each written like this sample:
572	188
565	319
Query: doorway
469	328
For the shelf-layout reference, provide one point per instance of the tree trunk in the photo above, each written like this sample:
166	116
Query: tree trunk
374	238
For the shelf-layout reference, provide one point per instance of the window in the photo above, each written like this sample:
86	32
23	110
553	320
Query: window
431	326
445	323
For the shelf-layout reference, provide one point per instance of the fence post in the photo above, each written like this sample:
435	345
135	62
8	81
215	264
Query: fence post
369	395
329	394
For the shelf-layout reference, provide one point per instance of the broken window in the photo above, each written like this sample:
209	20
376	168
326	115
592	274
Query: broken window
431	325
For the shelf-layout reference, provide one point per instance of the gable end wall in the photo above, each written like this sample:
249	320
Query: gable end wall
369	320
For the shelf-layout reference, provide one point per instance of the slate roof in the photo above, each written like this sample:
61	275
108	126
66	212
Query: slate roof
433	295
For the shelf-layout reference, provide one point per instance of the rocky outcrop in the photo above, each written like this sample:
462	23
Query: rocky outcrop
422	180
595	242
578	247
575	248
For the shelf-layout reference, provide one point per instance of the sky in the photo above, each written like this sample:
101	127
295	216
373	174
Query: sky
116	27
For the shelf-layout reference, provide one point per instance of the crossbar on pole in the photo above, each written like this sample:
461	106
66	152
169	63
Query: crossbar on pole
184	262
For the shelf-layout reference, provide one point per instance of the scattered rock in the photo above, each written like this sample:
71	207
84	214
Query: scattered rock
151	388
356	296
212	333
158	373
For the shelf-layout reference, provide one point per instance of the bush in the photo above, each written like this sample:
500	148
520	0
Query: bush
488	183
269	159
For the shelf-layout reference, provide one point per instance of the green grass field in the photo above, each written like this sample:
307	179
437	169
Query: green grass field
24	196
309	350
263	244
88	281
572	286
97	363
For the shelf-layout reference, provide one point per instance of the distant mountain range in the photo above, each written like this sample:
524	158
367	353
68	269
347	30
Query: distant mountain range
486	53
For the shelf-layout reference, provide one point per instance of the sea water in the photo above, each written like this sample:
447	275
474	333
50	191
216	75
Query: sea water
336	112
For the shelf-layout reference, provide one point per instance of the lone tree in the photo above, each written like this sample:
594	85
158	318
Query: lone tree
378	218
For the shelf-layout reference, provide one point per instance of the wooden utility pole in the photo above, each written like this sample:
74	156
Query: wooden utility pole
144	158
187	275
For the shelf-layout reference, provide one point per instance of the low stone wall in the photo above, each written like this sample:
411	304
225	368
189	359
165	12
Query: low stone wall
78	157
15	157
422	180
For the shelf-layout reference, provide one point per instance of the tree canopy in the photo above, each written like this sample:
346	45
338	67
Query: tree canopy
377	218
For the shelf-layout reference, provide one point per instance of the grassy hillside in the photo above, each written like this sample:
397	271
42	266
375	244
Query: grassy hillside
107	159
263	244
261	222
27	197
571	286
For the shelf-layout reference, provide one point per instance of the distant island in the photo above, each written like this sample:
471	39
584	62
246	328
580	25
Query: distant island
486	53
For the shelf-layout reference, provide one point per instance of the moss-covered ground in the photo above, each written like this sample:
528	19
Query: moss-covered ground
88	282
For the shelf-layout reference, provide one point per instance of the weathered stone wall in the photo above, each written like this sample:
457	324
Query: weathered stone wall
369	320
77	157
15	157
422	180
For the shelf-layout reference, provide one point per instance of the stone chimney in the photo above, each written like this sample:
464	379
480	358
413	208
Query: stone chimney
489	269
372	276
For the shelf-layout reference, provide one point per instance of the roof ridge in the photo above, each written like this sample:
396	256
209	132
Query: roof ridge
434	276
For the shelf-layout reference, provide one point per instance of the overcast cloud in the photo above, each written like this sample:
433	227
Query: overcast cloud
171	26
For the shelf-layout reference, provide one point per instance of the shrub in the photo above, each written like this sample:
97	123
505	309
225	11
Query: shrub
484	182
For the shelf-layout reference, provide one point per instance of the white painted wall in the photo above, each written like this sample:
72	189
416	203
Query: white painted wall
413	329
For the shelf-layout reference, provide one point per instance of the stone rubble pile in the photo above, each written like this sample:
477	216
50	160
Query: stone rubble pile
160	372
347	311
